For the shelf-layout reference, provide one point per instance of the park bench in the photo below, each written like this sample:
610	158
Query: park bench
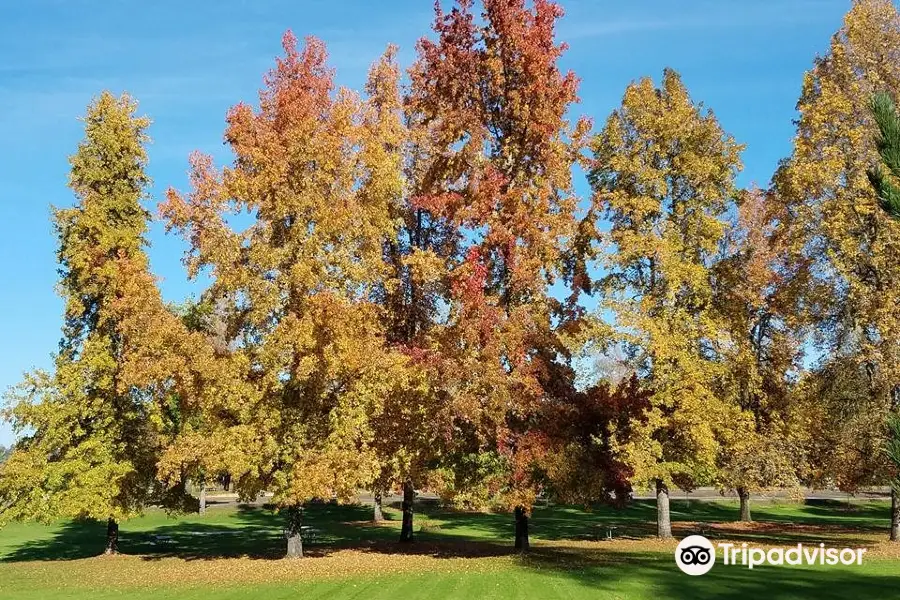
605	531
308	533
161	540
542	499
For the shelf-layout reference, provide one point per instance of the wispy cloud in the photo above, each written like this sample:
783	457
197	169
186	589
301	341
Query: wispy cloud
610	28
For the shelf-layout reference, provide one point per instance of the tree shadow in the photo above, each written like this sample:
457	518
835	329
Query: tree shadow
70	541
256	531
814	518
657	574
251	532
251	535
780	534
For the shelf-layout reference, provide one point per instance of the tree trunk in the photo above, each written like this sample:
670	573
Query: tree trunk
293	532
378	515
202	495
663	516
895	516
522	542
112	537
406	530
744	495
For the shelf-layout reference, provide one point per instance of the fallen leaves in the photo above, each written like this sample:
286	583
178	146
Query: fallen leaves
127	572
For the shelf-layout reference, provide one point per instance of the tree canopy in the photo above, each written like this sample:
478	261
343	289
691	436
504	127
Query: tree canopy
403	284
88	439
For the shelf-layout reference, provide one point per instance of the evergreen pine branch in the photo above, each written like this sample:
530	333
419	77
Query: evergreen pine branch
892	448
888	193
888	143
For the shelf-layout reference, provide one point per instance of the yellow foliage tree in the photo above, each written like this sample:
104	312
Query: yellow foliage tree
664	177
831	212
414	419
90	435
758	293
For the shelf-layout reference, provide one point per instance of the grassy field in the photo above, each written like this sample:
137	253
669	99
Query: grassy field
234	553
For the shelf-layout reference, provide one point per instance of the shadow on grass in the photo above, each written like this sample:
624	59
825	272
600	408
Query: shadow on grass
647	574
71	541
256	532
252	532
819	521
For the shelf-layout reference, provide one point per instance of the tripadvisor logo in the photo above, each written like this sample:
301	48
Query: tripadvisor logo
695	555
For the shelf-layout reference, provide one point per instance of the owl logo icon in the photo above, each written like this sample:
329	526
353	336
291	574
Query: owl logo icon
695	555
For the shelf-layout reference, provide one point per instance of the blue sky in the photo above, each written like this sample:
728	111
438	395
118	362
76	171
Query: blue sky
188	61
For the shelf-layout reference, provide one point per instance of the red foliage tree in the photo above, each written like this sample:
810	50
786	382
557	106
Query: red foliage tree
493	101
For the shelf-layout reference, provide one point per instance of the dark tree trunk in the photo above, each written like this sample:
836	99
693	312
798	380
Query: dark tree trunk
663	516
744	495
406	530
522	542
112	537
293	532
378	515
895	516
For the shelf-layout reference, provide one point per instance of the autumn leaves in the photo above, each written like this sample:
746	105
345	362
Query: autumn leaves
664	177
404	305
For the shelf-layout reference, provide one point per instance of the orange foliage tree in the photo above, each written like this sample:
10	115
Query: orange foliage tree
298	283
410	430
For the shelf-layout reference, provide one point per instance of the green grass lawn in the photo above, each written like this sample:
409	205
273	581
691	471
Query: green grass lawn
233	552
643	577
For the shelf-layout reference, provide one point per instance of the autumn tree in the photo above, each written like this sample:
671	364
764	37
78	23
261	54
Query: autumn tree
891	449
758	291
198	340
298	284
833	401
384	122
663	176
88	445
494	103
583	431
833	213
413	419
888	143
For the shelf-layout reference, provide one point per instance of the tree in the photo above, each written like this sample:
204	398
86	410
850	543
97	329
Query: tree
493	102
845	425
757	292
582	466
88	446
832	216
414	420
888	142
198	341
663	175
4	453
892	450
298	286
